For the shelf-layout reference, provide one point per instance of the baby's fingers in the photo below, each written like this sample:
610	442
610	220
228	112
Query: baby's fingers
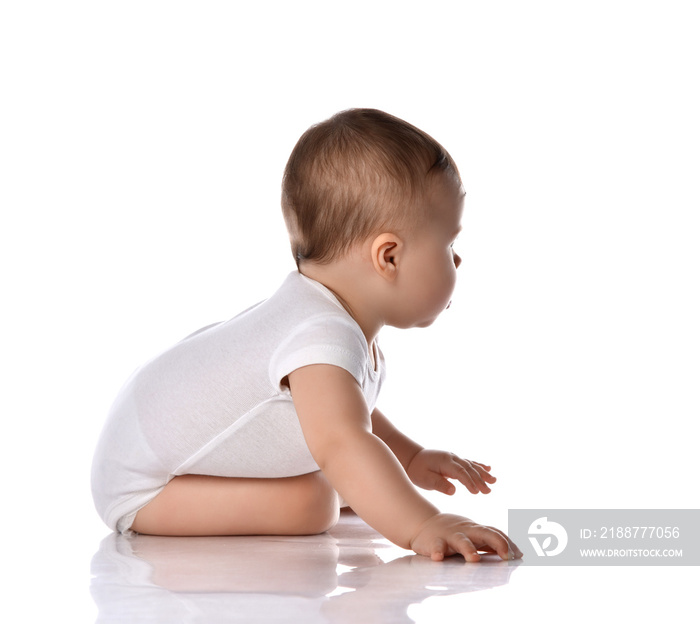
485	472
436	481
464	546
458	543
473	477
493	540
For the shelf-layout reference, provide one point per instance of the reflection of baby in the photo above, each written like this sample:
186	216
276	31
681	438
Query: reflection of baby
383	593
252	425
172	577
179	579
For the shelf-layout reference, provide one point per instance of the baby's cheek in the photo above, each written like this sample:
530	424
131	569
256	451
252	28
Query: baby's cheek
450	280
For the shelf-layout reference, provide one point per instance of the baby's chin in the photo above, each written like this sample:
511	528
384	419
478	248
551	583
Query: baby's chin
426	323
430	321
414	324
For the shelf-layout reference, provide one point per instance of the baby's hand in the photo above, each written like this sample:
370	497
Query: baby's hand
447	534
432	469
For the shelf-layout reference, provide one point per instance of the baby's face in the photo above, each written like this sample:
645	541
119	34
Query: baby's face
430	265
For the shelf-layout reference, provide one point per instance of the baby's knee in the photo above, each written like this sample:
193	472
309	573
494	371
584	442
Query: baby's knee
317	504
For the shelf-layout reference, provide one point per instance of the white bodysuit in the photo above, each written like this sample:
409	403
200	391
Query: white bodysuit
214	403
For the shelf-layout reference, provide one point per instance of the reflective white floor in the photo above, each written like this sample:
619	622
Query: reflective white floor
352	574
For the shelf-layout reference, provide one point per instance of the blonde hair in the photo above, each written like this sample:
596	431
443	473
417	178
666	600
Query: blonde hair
352	175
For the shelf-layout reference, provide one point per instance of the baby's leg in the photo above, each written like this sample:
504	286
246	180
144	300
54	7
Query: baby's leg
204	505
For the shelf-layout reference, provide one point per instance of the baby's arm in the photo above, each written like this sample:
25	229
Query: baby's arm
338	430
428	468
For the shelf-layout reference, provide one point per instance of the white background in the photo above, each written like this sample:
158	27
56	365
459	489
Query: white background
142	146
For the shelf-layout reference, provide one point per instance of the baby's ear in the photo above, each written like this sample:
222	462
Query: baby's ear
386	251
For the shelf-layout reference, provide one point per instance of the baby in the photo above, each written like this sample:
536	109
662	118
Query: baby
266	423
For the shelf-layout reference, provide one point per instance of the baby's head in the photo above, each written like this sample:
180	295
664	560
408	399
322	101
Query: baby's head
354	175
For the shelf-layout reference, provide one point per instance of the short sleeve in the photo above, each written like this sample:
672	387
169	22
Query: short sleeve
329	339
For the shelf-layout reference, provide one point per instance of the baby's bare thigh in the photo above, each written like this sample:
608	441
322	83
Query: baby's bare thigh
205	505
